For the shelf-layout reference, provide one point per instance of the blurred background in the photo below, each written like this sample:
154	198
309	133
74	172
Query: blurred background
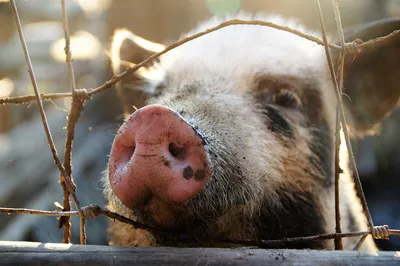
28	176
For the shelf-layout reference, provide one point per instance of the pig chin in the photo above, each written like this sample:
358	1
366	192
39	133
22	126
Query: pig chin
160	214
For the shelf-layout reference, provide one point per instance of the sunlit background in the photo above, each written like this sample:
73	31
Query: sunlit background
28	177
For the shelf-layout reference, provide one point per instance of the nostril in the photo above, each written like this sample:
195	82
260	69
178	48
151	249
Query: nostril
122	155
176	151
129	152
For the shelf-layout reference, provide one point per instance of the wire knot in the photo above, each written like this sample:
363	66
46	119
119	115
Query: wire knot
90	211
380	232
82	94
352	47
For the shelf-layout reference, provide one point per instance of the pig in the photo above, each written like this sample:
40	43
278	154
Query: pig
236	138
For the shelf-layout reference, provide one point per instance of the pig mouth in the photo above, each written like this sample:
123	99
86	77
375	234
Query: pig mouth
157	213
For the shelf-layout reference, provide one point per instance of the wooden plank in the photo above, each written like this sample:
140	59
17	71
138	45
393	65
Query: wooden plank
33	253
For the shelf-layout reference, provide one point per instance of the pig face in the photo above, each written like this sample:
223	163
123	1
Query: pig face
237	138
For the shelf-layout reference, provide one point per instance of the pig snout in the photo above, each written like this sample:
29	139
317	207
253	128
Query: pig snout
157	155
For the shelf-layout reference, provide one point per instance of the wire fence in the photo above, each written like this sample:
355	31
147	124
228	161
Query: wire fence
80	96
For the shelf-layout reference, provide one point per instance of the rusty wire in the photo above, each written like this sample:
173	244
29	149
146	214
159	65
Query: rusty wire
80	96
73	116
338	241
92	211
342	117
69	184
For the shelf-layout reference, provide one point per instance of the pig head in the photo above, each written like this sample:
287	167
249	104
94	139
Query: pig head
237	136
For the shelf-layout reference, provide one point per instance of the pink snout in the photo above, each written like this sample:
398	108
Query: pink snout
156	153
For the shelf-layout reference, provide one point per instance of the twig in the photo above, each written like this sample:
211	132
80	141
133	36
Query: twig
355	175
70	185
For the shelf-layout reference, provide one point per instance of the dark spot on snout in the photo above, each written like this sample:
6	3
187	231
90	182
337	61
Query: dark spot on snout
188	172
165	162
199	175
278	123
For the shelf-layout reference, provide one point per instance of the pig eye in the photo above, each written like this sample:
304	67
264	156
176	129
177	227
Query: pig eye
286	98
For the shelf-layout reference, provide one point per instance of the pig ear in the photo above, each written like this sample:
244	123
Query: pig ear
128	49
372	77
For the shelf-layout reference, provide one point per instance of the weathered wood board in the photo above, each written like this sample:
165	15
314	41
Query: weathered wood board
32	253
